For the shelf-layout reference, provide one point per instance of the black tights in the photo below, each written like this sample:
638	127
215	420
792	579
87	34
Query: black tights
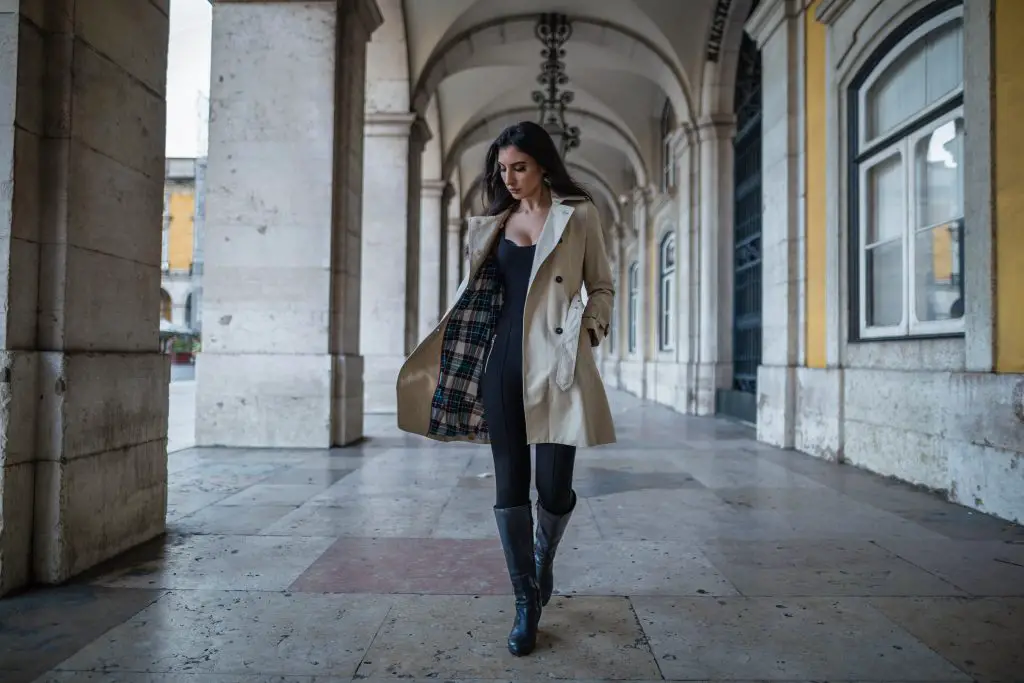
554	475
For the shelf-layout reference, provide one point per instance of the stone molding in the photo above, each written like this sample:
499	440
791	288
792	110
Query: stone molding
397	125
767	18
716	127
433	188
830	10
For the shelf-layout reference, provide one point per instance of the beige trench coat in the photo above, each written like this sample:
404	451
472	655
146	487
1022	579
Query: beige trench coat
563	394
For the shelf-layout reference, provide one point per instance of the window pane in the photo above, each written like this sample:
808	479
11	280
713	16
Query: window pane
886	214
937	281
938	165
884	266
926	72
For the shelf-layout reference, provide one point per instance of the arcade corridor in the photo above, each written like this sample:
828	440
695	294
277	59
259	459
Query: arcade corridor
699	555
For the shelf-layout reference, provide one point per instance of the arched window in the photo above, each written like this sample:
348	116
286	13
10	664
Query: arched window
906	177
165	305
665	130
634	304
666	293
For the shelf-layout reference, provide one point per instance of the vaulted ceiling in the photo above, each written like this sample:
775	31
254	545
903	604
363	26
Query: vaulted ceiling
473	66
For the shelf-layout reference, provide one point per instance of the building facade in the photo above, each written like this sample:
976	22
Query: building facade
181	260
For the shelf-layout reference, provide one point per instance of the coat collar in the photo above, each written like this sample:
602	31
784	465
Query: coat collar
484	229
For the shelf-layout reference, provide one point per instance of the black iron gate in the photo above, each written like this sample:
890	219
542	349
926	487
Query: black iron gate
746	337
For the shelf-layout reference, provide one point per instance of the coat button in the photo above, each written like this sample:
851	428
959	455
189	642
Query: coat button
558	330
558	278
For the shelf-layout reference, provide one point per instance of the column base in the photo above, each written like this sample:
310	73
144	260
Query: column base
819	410
277	400
776	405
708	379
18	400
101	469
381	379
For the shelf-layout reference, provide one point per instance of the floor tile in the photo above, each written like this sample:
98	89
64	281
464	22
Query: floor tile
663	568
784	639
215	519
450	637
982	568
217	562
130	677
240	633
365	516
41	628
273	494
850	567
982	636
408	565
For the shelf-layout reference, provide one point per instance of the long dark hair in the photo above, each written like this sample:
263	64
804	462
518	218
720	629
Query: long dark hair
529	138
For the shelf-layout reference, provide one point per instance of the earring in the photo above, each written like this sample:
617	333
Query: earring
547	180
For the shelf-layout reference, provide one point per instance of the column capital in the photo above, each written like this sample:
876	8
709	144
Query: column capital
715	127
433	188
369	15
394	124
768	17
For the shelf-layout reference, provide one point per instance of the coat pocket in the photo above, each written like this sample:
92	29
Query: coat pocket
568	347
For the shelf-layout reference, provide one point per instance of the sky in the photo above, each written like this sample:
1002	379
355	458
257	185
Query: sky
188	78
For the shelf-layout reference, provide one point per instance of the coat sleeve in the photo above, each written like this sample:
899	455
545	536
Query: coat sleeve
597	276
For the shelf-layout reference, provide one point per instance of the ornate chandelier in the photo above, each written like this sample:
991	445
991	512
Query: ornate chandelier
553	30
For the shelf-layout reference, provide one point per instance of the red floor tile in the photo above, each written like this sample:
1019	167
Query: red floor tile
437	566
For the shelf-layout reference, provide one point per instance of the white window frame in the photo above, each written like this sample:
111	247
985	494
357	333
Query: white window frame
633	310
666	292
909	326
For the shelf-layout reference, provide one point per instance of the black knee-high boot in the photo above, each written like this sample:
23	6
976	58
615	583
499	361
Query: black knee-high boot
550	529
515	527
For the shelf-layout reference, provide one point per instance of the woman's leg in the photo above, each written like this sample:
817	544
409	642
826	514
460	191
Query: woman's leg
555	464
502	396
555	502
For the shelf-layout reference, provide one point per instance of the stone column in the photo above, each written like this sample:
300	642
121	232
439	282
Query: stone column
432	229
777	28
645	315
714	261
452	274
280	364
391	253
83	385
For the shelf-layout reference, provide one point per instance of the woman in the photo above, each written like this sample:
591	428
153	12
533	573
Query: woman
508	365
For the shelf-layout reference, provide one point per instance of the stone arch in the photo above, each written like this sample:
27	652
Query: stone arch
721	56
632	48
599	128
166	305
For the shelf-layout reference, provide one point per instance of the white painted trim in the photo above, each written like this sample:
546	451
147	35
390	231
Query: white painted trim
979	214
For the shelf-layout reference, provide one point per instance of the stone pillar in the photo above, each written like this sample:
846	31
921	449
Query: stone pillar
83	385
715	262
454	256
280	365
390	255
688	272
432	227
777	28
645	315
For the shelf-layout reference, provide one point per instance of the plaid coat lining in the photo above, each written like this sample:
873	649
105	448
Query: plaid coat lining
456	409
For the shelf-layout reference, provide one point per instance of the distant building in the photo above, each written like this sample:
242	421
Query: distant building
181	260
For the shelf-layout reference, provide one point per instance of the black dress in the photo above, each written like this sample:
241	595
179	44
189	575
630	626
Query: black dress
502	384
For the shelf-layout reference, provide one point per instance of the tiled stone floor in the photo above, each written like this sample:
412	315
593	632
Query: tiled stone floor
695	554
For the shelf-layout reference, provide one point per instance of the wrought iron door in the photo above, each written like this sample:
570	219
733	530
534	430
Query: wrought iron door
746	338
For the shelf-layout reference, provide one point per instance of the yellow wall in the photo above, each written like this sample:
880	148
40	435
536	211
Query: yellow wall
1008	157
816	218
182	211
